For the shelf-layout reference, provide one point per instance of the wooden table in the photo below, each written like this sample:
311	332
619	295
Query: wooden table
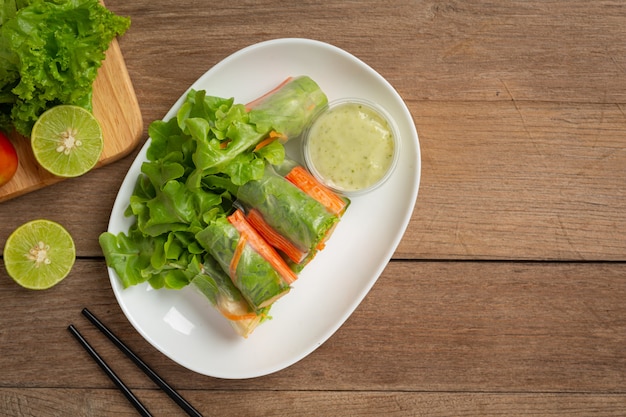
507	294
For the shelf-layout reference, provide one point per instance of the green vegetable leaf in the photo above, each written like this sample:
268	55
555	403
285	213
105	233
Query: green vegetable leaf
162	171
129	255
245	167
51	52
274	153
166	138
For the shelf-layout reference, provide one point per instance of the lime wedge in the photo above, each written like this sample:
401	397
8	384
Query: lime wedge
67	140
39	254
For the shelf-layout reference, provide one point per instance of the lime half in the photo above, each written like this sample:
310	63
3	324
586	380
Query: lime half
39	254
67	140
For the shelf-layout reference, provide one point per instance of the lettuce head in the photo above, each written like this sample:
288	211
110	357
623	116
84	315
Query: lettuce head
50	52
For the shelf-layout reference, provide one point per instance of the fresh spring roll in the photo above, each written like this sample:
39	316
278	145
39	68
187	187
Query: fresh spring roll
222	130
255	268
218	288
288	108
287	217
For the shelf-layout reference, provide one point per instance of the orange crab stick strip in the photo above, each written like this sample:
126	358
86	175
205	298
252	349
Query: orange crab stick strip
247	232
302	179
255	218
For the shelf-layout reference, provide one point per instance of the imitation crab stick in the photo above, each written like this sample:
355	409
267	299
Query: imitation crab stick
238	220
255	218
301	178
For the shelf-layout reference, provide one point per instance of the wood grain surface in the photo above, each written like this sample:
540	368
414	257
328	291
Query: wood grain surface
506	294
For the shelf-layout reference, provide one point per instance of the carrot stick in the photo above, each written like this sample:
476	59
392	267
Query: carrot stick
241	244
256	220
271	138
255	102
307	183
237	317
238	220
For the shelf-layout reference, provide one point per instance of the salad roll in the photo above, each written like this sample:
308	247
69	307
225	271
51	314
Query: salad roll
291	220
217	135
288	108
218	288
254	267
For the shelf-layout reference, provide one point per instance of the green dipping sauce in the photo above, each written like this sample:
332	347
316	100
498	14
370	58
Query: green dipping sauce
351	147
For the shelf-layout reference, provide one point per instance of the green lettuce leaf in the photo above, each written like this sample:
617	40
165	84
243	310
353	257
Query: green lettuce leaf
165	261
51	53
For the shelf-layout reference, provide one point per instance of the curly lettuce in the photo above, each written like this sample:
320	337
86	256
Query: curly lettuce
50	52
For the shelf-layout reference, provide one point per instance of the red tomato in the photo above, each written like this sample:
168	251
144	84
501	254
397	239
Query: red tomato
8	159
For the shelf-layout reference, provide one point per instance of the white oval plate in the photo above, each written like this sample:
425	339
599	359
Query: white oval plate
185	327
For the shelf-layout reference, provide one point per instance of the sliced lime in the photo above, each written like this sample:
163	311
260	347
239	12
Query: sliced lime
39	254
67	140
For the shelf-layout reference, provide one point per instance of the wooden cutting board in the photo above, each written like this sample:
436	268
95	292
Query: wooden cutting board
116	108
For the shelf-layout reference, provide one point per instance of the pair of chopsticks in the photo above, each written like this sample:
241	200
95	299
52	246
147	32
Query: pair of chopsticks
178	399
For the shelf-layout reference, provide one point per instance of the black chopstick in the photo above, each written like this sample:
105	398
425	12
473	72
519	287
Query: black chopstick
110	373
182	403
